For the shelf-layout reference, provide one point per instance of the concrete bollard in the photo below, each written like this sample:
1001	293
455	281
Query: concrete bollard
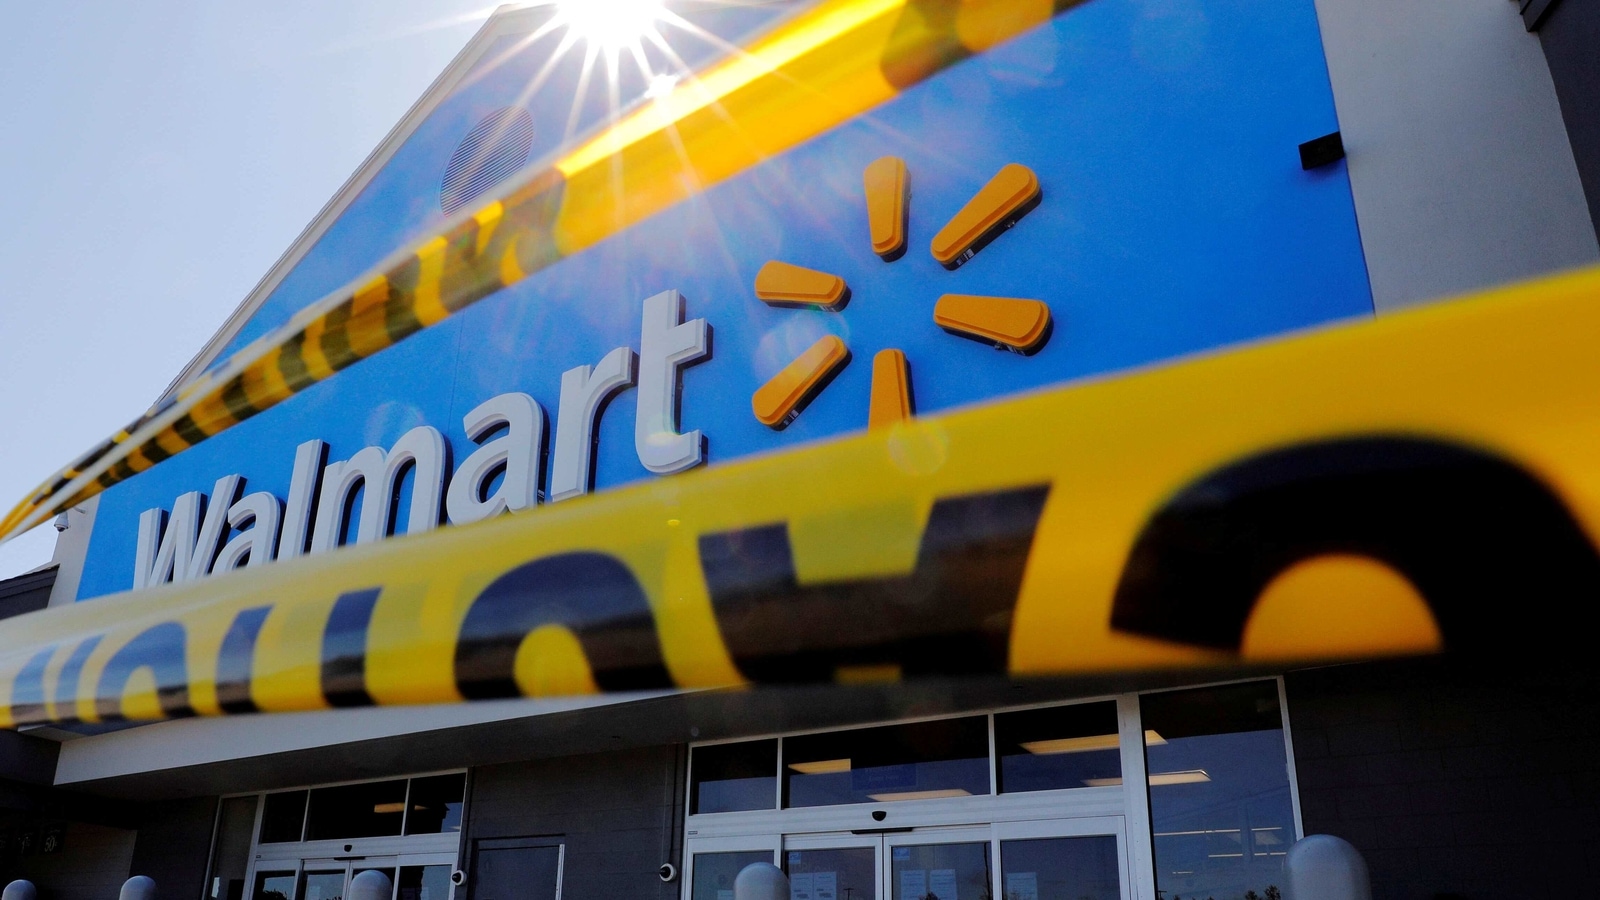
139	887
1323	867
371	885
21	889
759	881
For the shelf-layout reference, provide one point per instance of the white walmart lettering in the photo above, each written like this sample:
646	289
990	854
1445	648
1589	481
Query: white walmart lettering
187	544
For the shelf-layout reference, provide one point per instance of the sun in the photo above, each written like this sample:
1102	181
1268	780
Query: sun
610	25
1007	323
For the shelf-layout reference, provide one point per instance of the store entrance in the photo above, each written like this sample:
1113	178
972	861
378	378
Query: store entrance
326	879
423	876
1064	859
1024	804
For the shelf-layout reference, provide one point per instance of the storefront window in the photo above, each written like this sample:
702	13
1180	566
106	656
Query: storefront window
1220	808
284	817
734	777
436	804
921	761
374	809
1057	748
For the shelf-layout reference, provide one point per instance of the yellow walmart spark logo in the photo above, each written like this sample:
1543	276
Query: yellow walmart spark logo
1004	322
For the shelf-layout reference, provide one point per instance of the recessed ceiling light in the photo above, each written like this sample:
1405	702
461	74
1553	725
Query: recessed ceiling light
920	795
821	766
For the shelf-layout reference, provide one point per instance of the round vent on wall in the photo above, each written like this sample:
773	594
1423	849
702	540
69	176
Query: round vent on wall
491	151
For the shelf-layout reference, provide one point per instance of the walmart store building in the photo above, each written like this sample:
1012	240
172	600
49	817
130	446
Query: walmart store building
1212	172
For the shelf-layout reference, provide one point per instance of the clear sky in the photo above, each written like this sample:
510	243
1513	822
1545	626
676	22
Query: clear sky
160	157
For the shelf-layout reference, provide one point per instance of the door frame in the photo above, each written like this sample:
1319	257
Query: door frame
559	843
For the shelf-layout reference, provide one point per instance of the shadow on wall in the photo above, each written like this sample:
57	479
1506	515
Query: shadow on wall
67	861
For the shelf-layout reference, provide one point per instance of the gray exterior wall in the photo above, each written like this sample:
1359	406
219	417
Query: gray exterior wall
1465	778
1459	162
619	815
173	846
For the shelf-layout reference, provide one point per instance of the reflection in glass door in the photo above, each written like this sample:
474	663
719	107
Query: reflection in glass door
424	882
1061	868
1070	859
321	884
833	873
953	871
414	877
714	863
1082	859
946	864
714	872
329	879
274	885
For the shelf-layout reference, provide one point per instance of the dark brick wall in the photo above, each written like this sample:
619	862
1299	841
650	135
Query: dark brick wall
173	845
1454	778
619	815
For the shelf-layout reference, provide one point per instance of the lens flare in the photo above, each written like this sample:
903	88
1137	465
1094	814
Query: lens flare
610	25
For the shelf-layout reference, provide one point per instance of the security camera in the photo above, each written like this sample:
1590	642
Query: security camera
62	522
458	877
668	871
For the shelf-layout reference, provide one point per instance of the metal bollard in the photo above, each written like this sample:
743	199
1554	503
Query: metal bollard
139	887
371	885
21	889
1323	867
759	881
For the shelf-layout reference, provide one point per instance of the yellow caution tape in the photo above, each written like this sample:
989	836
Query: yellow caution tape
820	69
1396	486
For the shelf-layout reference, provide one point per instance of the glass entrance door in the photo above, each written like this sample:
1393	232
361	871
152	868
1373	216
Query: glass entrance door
1064	859
834	867
955	865
422	876
1072	859
329	879
715	862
